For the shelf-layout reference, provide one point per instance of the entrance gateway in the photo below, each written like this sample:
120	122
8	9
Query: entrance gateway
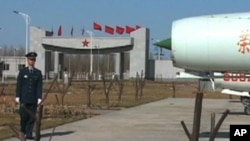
137	45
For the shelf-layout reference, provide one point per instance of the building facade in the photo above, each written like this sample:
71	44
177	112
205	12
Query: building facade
52	49
10	66
163	70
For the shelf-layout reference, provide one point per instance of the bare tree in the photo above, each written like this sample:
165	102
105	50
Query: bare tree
174	88
2	90
107	88
89	87
66	87
20	51
63	88
120	83
139	84
136	85
18	134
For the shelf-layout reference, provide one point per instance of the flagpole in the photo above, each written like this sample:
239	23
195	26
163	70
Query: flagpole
91	54
69	64
108	62
98	57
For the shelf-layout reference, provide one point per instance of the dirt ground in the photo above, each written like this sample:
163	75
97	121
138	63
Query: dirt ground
74	107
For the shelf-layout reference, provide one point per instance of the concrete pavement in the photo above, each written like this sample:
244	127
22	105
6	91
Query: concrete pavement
159	121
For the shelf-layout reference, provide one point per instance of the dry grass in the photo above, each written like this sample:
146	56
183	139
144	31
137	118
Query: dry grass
76	99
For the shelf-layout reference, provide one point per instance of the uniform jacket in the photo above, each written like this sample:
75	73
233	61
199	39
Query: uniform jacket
29	85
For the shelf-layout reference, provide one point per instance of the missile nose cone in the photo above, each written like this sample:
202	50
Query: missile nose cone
164	44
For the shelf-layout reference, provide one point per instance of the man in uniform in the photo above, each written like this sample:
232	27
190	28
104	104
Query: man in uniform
29	94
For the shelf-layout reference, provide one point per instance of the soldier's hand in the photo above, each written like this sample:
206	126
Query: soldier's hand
39	101
17	100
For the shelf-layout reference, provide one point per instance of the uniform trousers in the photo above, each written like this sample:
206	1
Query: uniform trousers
27	120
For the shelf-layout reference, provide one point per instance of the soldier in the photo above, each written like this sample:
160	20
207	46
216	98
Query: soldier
29	94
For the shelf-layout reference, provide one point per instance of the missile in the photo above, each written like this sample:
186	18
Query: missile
211	43
166	43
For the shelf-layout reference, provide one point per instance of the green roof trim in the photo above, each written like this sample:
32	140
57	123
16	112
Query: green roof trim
164	44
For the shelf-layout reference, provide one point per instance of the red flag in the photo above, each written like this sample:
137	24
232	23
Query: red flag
109	29
137	27
97	26
129	29
119	30
59	33
72	31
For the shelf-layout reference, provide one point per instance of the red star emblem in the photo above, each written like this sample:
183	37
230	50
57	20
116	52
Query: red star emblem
85	43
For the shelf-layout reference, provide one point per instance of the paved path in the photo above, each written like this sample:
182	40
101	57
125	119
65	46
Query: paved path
156	121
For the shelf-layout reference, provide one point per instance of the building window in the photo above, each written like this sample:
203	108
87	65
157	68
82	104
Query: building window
6	67
20	66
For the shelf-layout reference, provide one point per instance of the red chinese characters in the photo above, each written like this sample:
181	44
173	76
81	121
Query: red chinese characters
236	77
244	42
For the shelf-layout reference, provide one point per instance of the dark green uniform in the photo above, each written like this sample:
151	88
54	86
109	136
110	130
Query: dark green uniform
29	90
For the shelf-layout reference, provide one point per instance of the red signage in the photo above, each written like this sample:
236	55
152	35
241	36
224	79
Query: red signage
244	42
236	77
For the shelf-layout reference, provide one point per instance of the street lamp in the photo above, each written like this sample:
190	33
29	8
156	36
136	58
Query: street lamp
27	21
15	49
98	52
91	55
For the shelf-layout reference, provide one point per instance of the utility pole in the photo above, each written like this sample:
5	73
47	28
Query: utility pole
27	22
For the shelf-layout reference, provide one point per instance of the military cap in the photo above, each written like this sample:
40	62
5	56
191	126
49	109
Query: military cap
31	55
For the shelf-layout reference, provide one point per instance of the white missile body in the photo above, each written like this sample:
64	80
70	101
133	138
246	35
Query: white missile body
215	48
215	43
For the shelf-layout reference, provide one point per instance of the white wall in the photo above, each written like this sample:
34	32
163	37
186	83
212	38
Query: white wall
13	65
164	69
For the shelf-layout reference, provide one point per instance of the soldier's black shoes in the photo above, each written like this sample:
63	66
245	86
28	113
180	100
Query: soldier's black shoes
30	138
